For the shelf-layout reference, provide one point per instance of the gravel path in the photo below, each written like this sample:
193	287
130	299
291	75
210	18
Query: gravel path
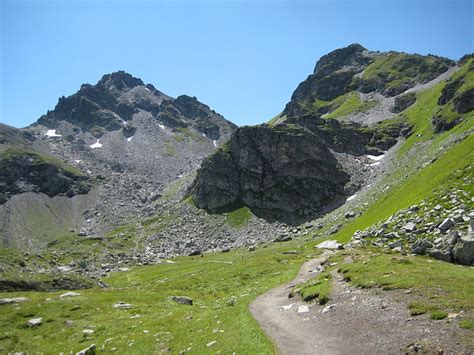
359	322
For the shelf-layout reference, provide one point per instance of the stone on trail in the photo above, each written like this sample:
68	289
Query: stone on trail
303	309
328	308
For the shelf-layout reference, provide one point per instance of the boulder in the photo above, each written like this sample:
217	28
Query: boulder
330	244
441	254
69	294
350	214
122	305
14	300
35	322
446	225
282	238
182	300
421	246
463	251
409	227
281	171
90	350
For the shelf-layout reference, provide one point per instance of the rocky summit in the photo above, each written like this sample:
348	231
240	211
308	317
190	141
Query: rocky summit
175	223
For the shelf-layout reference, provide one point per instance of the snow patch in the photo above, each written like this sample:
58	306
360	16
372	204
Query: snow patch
161	126
376	157
204	135
350	198
375	164
96	145
215	143
52	133
129	139
77	161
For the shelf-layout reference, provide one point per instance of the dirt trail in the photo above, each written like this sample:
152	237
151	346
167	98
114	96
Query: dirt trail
361	322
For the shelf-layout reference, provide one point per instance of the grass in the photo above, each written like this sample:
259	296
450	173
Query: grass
239	217
317	289
352	104
221	285
437	286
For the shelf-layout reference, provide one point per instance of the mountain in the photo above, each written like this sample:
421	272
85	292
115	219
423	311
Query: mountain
331	141
111	149
175	225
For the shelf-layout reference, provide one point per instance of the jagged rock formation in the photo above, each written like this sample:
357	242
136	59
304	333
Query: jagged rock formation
279	171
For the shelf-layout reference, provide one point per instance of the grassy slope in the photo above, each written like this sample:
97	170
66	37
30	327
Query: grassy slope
221	285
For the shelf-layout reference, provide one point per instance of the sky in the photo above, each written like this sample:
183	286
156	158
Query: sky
242	58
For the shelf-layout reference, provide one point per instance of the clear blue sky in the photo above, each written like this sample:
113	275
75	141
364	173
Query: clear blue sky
242	58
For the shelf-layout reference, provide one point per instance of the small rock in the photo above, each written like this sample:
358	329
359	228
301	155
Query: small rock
328	308
122	305
182	300
91	350
211	343
395	244
446	225
409	227
64	268
421	246
35	322
303	309
282	238
350	214
14	300
87	332
69	294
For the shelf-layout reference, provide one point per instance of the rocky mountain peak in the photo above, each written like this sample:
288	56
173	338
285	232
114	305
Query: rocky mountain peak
119	80
354	57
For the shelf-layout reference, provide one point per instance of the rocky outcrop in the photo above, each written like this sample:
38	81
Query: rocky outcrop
354	68
402	102
24	171
331	77
280	172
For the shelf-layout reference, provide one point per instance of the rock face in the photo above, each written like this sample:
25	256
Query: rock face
281	171
28	171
